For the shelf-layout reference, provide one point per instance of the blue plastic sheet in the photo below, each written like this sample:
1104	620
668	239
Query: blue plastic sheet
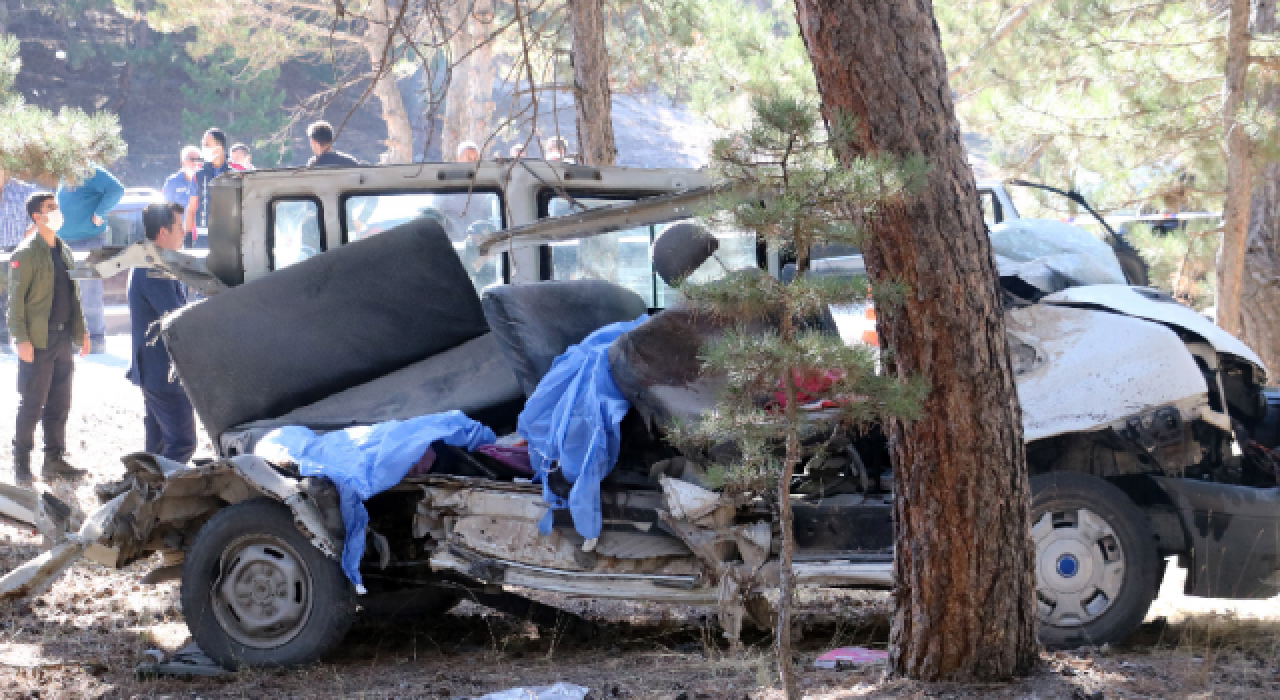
367	460
572	418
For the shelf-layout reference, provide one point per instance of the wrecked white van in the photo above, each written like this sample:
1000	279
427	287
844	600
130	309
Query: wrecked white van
1148	428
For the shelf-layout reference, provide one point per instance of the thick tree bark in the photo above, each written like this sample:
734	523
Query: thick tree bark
469	105
1260	289
591	96
377	43
1235	233
1260	310
965	595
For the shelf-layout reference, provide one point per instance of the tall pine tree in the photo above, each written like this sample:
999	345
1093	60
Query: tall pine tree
794	196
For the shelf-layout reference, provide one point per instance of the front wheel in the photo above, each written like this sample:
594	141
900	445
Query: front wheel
255	592
1097	568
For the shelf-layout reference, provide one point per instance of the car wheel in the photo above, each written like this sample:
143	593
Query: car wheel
255	592
1097	567
1132	264
427	602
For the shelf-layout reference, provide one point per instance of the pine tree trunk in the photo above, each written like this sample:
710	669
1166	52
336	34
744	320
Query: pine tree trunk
965	595
786	519
399	131
594	104
1260	307
1235	233
469	107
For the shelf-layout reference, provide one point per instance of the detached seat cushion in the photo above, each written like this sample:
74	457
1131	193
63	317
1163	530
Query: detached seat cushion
656	366
324	325
535	323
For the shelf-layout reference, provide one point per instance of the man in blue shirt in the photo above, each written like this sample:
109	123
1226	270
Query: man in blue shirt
14	224
181	186
84	215
170	421
214	151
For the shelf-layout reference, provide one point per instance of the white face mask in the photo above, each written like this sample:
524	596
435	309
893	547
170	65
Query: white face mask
54	220
207	154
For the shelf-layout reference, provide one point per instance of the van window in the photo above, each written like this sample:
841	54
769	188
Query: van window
625	257
295	231
124	227
462	215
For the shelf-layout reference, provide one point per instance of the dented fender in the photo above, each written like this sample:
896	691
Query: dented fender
1082	370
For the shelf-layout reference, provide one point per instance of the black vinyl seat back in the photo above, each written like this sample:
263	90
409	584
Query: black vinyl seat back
324	325
535	323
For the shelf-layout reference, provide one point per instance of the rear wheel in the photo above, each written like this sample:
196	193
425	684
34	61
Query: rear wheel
1097	567
255	591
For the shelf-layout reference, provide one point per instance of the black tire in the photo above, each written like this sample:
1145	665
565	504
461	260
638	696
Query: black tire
1072	546
428	602
315	597
1131	263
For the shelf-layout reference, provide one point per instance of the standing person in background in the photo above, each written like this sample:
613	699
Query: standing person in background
84	215
45	321
213	149
170	421
240	158
555	150
14	224
321	135
180	187
468	152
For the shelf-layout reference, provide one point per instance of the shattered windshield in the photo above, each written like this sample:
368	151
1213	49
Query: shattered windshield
1052	255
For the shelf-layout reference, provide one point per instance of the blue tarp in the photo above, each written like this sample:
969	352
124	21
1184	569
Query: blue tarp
572	418
367	460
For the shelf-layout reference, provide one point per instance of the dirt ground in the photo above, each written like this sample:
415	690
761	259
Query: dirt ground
85	638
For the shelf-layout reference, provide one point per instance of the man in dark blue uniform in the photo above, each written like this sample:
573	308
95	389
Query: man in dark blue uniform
214	153
170	420
181	186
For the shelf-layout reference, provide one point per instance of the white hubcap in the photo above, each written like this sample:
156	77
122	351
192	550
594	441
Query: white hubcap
1079	566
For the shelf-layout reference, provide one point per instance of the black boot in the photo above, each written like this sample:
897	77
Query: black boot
56	467
22	469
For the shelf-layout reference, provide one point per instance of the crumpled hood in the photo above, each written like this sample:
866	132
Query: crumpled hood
1153	305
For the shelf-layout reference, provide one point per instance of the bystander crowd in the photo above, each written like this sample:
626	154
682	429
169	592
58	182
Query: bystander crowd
321	135
84	210
14	226
213	149
180	187
170	421
468	152
46	321
555	149
241	159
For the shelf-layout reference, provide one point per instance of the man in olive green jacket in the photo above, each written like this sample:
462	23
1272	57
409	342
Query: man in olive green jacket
45	321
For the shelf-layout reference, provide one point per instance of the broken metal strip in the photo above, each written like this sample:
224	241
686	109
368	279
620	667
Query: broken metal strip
843	573
657	588
191	270
619	217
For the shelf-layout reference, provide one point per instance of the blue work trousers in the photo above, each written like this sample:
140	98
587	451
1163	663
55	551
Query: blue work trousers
170	423
91	301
